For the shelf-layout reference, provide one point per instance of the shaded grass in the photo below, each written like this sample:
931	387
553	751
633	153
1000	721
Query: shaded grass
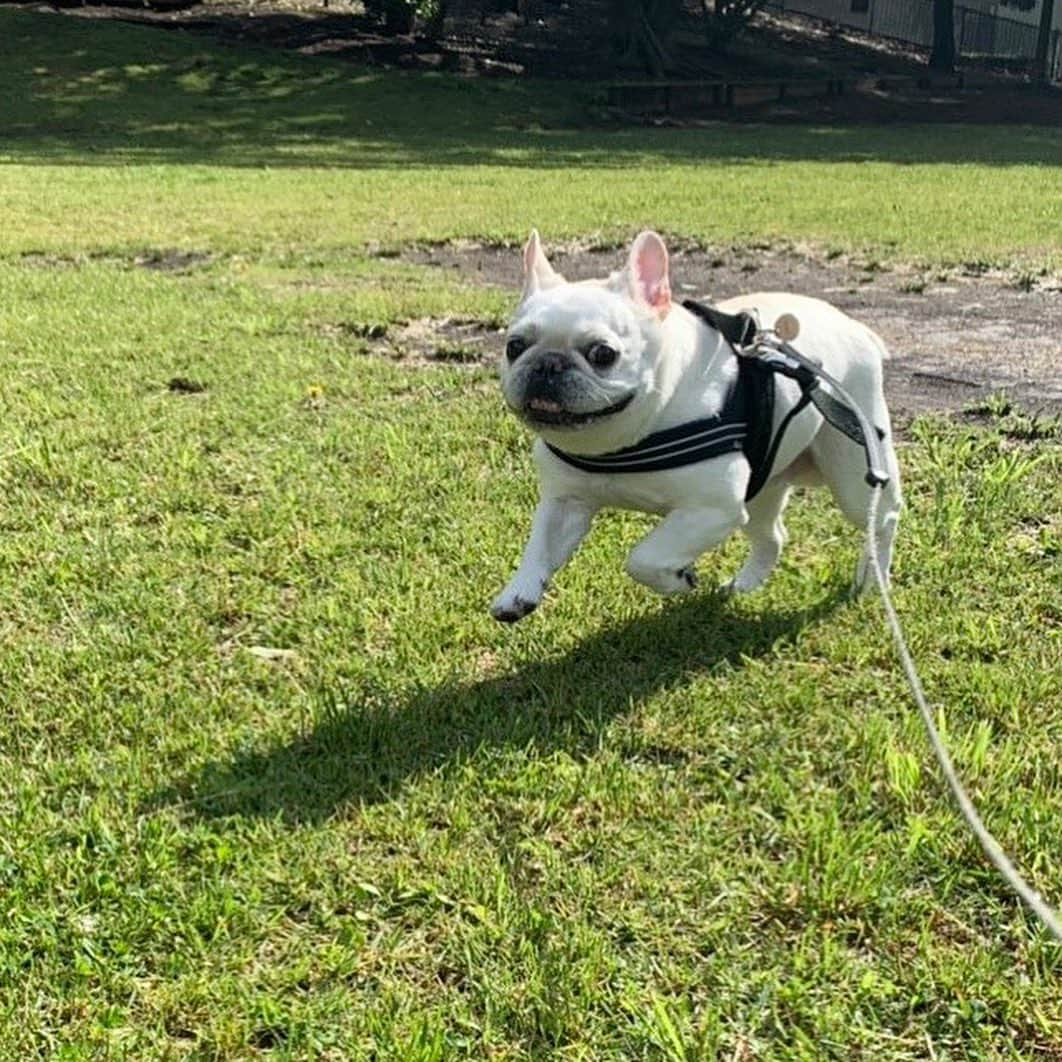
627	828
276	151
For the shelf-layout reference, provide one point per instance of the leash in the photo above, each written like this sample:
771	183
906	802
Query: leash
1036	903
773	345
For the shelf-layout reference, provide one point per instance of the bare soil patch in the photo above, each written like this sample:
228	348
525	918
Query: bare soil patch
956	339
184	385
454	340
158	260
172	261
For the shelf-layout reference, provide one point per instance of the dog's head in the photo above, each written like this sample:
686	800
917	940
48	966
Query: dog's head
580	362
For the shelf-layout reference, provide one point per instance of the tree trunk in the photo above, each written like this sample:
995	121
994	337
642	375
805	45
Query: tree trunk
1043	41
640	28
943	55
435	25
399	17
655	55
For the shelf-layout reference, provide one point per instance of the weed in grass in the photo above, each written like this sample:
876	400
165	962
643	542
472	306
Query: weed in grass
1015	423
976	480
365	329
1032	427
996	405
456	353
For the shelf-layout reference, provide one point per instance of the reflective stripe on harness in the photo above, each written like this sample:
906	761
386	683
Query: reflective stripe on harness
685	444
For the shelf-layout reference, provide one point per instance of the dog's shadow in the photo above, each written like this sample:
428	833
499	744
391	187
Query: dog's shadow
365	745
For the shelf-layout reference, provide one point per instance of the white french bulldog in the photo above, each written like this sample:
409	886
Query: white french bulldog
596	366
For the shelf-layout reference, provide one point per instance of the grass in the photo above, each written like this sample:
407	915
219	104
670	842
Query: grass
272	780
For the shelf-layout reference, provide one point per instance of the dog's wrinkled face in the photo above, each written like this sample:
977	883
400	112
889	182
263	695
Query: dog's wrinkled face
584	355
574	354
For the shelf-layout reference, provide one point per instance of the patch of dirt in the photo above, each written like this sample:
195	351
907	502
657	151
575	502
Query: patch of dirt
183	385
333	27
172	261
455	340
40	260
955	339
158	260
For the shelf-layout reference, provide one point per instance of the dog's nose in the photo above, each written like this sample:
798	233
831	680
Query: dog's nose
550	364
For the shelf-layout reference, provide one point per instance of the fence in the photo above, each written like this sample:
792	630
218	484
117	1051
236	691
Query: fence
977	33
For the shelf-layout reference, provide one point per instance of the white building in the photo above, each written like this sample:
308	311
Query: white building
982	27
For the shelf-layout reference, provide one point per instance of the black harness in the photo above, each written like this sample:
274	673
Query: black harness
746	420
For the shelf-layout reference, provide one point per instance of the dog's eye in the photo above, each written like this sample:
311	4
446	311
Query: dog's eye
515	347
601	355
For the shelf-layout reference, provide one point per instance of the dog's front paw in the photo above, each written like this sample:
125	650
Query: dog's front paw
509	608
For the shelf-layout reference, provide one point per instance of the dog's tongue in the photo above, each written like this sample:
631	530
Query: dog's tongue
545	405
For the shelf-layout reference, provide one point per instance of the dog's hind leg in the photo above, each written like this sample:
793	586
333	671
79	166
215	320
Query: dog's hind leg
766	534
843	467
888	518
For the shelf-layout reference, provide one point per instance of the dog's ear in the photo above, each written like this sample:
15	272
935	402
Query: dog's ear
538	273
647	274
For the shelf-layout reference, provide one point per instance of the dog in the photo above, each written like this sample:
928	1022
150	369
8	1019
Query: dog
597	367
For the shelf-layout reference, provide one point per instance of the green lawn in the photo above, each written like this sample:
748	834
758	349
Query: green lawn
626	828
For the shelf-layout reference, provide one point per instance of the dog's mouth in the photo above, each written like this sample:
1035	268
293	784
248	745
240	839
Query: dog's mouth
547	412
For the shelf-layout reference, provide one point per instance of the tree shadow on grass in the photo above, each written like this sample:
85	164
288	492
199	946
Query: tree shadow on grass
81	93
367	744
